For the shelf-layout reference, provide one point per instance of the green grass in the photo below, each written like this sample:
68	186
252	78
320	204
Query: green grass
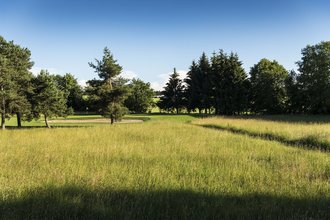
309	133
164	168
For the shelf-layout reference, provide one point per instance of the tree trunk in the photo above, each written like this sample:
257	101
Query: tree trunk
46	121
3	121
19	121
112	119
177	111
3	114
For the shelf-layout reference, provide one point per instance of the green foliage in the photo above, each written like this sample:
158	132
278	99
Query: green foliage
268	80
107	68
73	91
193	88
49	100
108	94
205	82
314	79
14	80
230	84
140	97
173	95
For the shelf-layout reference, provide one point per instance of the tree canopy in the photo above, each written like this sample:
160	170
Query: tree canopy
107	95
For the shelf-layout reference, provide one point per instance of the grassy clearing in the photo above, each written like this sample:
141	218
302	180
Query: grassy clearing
309	134
161	169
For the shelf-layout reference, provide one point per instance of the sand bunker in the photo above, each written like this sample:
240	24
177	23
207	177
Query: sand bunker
99	120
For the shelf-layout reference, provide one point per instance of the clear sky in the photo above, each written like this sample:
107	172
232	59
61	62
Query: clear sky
150	37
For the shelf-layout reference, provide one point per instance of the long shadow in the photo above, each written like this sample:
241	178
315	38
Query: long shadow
309	142
44	127
83	203
298	118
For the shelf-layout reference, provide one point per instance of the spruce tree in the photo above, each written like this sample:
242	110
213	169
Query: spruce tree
172	98
192	89
230	84
205	83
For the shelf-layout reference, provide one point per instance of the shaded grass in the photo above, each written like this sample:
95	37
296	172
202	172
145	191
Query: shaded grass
74	202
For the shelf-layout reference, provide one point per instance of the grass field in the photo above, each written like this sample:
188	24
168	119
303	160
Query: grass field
168	167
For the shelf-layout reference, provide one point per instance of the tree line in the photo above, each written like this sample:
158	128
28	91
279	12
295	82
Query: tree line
220	85
47	95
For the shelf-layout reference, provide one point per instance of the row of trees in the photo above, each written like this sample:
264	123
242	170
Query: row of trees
220	85
46	95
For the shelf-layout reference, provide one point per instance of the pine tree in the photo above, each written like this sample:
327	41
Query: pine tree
173	94
106	95
14	81
48	99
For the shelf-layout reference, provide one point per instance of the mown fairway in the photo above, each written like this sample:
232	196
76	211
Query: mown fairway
170	167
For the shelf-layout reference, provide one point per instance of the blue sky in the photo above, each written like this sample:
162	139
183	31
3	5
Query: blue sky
150	38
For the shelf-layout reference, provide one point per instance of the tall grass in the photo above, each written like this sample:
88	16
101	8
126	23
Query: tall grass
314	135
157	170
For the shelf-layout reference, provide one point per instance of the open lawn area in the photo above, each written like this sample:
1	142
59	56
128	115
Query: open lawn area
168	167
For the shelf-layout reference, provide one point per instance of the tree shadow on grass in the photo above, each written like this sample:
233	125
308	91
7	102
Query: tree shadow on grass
81	203
308	142
44	127
298	118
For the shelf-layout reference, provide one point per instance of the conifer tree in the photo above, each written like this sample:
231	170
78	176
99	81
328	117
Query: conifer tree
205	84
48	99
192	89
173	94
230	84
14	80
107	96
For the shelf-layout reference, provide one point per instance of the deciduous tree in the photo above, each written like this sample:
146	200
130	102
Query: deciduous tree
268	80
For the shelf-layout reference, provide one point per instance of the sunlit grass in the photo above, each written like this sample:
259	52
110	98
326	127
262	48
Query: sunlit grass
159	169
298	131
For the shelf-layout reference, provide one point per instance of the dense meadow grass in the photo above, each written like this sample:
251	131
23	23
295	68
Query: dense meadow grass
308	131
168	167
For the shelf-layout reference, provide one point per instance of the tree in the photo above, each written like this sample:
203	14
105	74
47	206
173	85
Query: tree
74	92
48	98
193	88
173	94
140	97
294	99
314	79
204	83
20	105
109	93
14	80
268	80
230	84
